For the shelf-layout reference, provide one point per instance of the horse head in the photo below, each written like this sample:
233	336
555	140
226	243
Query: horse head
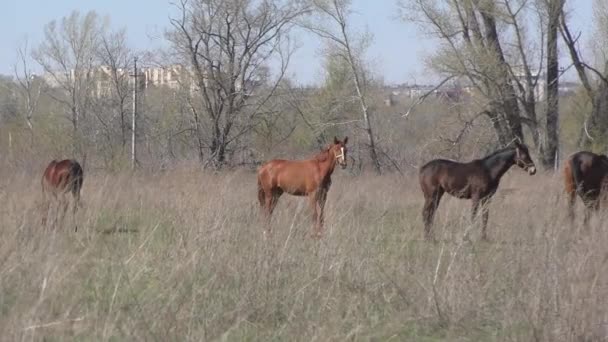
339	151
523	159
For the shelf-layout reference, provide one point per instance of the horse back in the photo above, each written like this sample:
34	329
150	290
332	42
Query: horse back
586	170
62	175
297	177
453	177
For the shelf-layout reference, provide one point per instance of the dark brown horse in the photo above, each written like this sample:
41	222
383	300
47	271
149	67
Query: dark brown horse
311	177
585	175
59	178
476	180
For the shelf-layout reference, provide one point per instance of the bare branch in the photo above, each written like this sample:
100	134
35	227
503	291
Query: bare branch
422	98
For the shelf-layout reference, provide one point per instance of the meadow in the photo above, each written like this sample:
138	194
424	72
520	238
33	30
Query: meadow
179	255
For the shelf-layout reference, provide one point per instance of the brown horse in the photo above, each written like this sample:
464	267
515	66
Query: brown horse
585	175
476	180
311	177
59	178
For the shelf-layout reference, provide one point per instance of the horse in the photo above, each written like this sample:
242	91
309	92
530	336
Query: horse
59	178
585	175
476	180
310	177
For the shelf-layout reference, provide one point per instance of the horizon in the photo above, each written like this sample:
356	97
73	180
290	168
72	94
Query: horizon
394	63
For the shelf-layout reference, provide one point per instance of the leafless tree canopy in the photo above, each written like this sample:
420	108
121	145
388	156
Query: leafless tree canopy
227	46
230	100
67	55
332	24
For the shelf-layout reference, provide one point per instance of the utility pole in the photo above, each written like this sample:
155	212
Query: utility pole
134	116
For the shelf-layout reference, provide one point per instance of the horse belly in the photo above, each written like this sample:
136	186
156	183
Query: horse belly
293	188
460	193
458	189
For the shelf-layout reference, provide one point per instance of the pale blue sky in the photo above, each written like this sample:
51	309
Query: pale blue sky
397	52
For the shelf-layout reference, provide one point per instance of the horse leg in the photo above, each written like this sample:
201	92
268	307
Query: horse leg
319	203
76	198
591	205
595	207
271	198
261	197
275	199
428	212
485	213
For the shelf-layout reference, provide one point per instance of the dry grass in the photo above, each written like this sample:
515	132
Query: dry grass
180	256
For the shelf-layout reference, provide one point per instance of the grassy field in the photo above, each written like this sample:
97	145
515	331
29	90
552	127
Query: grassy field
180	256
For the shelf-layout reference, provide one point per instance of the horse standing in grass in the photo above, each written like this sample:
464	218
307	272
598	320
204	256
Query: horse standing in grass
585	175
59	178
311	177
476	180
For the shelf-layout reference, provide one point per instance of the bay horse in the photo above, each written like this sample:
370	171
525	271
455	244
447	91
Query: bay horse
59	178
476	180
310	177
585	176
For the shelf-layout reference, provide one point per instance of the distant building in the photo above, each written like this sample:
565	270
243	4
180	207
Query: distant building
171	76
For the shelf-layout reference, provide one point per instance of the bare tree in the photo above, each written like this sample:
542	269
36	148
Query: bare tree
596	85
227	47
30	85
115	57
334	27
489	44
471	48
67	55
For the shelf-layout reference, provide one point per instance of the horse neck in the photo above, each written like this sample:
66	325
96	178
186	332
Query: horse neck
326	162
499	163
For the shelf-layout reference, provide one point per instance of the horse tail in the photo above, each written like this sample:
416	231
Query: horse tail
570	180
577	176
76	177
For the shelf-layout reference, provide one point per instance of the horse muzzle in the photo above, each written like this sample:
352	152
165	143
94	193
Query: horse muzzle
343	165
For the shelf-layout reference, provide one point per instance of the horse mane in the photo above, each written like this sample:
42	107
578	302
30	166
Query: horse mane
491	159
497	152
323	155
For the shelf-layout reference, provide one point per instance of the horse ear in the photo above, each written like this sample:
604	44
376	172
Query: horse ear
336	140
345	140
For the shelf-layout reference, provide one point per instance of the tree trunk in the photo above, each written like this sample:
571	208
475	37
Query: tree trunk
550	146
364	108
510	108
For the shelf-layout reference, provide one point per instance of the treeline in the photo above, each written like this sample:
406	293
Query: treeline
234	104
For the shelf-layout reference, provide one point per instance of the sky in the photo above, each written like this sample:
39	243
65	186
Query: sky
397	53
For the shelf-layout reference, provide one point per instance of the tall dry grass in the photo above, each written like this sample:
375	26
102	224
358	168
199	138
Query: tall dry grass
180	256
